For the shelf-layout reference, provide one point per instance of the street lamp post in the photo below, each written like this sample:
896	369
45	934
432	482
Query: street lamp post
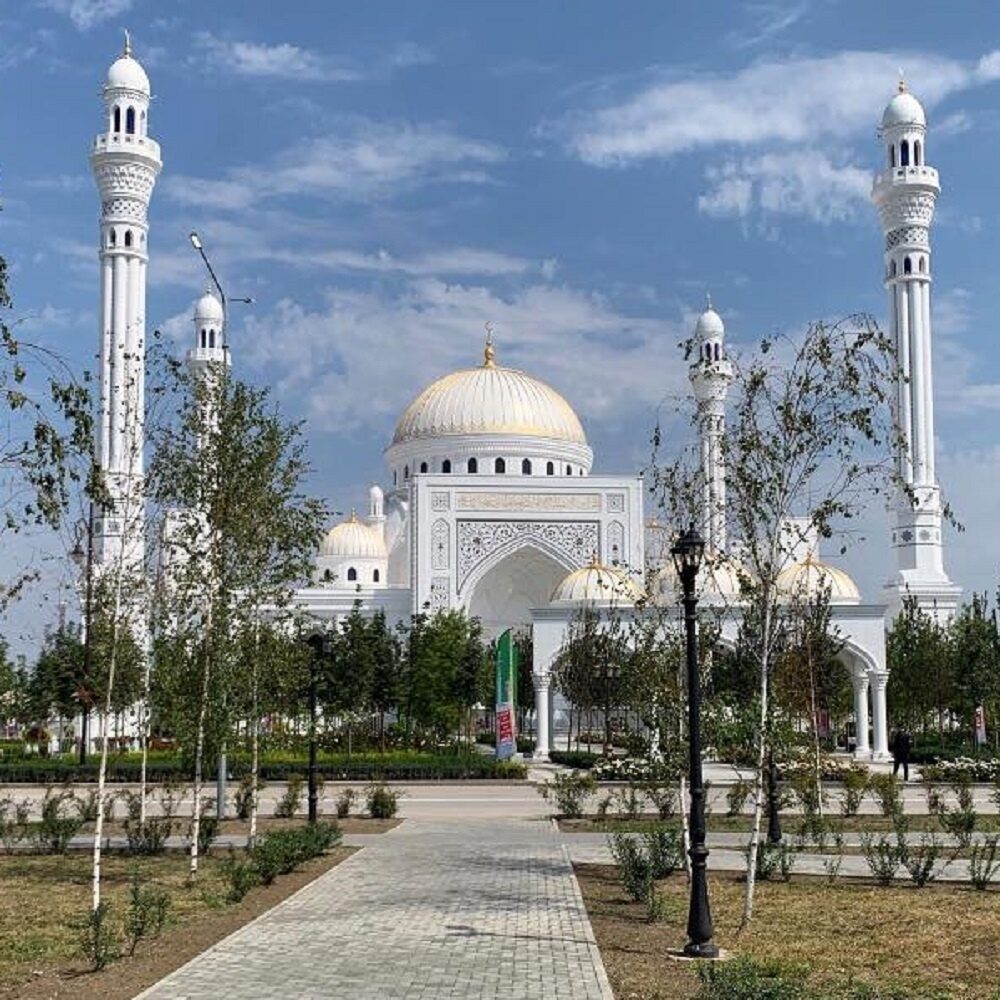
687	553
317	645
85	562
222	767
773	801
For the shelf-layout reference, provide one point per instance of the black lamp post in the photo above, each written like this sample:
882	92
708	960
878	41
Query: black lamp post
773	801
687	553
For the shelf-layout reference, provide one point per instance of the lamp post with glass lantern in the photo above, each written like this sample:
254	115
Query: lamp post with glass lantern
687	554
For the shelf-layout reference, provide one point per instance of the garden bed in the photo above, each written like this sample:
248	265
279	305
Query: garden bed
944	938
44	896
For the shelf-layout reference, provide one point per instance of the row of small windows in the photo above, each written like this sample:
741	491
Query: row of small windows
499	468
130	120
908	266
712	352
352	575
903	156
127	238
207	338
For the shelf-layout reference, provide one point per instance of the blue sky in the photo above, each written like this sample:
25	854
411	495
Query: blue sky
385	178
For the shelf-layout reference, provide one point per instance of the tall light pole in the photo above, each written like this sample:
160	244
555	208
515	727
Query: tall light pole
85	562
687	554
220	779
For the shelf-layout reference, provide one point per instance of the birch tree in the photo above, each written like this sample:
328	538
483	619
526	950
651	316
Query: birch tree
811	440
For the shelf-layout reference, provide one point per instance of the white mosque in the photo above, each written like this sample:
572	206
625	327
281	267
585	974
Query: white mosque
490	504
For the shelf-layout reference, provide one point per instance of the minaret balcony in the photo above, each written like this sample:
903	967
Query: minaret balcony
906	176
122	142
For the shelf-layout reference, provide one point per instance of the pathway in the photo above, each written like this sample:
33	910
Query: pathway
437	908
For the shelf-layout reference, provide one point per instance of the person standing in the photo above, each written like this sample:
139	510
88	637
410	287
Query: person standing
902	744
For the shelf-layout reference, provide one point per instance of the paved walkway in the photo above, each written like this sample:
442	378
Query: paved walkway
433	909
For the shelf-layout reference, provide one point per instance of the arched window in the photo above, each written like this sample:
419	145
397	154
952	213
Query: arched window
569	470
472	467
423	466
395	477
907	266
892	156
406	472
211	338
708	352
892	269
112	239
579	471
525	466
550	468
499	466
446	465
142	123
118	118
717	352
128	237
352	574
375	576
204	337
916	152
904	154
130	121
923	265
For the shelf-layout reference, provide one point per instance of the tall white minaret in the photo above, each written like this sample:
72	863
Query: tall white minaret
710	374
209	357
125	162
905	193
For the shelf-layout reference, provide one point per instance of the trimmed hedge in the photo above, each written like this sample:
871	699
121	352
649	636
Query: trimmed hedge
436	768
574	758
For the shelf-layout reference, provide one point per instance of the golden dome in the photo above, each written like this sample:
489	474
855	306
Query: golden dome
353	539
718	581
803	580
596	583
490	399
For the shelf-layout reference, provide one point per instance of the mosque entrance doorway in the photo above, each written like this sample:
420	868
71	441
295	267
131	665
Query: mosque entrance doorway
504	595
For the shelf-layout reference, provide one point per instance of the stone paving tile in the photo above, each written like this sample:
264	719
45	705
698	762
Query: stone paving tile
431	910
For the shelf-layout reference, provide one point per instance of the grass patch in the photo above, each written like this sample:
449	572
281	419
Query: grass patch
941	938
45	898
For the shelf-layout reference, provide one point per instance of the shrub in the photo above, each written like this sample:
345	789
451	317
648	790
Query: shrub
634	867
961	821
14	822
631	799
282	851
241	874
149	837
53	834
665	851
736	797
774	861
345	800
604	805
146	914
207	829
87	807
290	803
746	978
886	790
883	857
569	791
983	862
663	795
856	784
243	799
99	938
919	860
383	801
578	759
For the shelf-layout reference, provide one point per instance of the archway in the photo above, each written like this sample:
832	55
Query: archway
504	595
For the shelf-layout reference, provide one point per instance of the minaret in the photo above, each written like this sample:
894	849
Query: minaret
125	162
905	193
208	357
710	374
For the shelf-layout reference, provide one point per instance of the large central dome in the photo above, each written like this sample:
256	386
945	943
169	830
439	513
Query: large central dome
489	419
490	399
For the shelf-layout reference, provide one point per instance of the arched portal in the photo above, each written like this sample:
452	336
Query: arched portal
504	595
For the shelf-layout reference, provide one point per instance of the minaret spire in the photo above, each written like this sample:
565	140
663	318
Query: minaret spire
127	51
905	194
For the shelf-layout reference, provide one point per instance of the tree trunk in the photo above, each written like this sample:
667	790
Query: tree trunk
254	745
144	732
198	755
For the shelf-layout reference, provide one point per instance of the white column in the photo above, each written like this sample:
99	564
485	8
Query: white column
542	717
118	373
905	415
861	746
919	379
107	353
880	729
924	292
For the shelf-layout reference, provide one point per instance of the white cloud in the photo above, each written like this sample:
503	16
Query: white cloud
794	100
794	182
365	159
60	183
767	21
454	261
86	13
354	364
283	61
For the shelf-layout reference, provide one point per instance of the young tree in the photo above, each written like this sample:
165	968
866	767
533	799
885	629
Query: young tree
243	535
812	437
919	668
385	672
974	649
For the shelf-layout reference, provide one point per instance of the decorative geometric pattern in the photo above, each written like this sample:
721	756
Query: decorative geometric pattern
439	592
131	209
616	503
911	235
577	541
575	502
124	179
440	501
616	543
440	545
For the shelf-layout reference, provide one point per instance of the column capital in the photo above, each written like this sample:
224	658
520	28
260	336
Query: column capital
879	679
541	681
